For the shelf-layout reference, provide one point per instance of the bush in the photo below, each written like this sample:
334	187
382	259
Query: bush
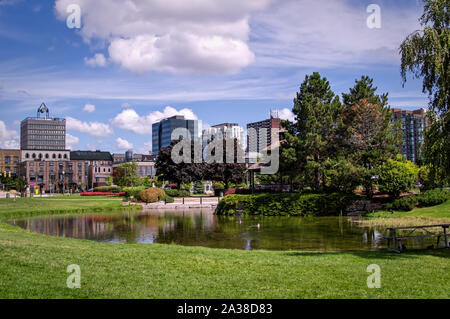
433	197
404	204
133	191
395	177
154	195
108	189
177	193
292	204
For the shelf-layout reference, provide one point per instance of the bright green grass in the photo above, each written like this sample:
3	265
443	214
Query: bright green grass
33	206
440	211
34	266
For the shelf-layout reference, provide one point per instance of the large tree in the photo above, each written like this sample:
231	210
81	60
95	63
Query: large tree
178	172
310	140
426	54
367	135
126	175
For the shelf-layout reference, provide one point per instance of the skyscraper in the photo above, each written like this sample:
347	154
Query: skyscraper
43	132
226	130
413	125
262	127
162	131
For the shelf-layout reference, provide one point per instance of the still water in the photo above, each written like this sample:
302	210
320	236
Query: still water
203	228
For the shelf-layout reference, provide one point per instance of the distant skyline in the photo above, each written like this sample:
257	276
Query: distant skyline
131	64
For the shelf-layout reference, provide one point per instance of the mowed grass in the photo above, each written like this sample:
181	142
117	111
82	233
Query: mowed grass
435	215
35	206
34	266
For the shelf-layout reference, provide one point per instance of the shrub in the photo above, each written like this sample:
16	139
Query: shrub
395	177
177	193
404	204
292	204
102	194
153	195
108	189
433	197
133	191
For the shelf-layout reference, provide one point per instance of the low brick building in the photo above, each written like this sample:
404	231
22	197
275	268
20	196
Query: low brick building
10	162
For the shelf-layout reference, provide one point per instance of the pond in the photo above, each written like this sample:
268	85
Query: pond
203	228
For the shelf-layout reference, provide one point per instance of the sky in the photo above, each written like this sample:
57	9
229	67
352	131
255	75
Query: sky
131	63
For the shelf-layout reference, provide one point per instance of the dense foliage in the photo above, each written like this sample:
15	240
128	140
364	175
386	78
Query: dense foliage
429	198
108	189
154	195
396	177
125	175
287	204
177	193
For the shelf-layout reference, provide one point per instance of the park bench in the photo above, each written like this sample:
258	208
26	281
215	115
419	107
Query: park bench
396	239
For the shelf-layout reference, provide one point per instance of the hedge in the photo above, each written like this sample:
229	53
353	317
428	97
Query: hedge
177	193
133	191
293	204
429	198
108	189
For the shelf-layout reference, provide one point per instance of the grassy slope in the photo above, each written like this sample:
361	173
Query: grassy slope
34	206
34	266
440	211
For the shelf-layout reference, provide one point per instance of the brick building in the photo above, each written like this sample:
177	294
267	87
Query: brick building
10	162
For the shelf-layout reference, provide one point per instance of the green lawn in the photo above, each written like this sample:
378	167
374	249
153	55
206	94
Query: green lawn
34	266
34	206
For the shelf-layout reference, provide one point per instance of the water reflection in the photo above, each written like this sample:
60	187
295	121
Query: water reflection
202	228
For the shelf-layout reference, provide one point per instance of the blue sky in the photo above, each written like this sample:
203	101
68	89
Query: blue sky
134	62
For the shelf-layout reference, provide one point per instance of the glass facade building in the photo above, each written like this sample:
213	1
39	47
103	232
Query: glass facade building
162	131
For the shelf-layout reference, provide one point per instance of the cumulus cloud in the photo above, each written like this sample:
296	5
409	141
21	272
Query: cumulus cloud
130	120
98	60
180	36
145	149
123	144
284	114
72	142
96	129
89	108
125	105
9	139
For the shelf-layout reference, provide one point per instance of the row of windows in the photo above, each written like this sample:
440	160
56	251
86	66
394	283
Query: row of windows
46	126
37	147
99	170
46	132
8	160
46	137
47	156
51	142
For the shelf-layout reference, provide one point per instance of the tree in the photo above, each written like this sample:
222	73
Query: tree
199	187
178	173
227	172
367	135
126	175
310	140
426	54
395	177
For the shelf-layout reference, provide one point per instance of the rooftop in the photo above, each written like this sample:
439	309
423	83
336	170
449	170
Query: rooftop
90	156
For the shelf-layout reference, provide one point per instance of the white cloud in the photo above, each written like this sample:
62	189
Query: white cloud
96	129
91	147
284	114
123	144
125	105
72	142
330	33
145	149
89	108
9	139
129	120
180	36
98	60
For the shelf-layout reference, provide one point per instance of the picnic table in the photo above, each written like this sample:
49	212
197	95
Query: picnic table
397	239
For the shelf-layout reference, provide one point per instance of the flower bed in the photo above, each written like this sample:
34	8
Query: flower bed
102	194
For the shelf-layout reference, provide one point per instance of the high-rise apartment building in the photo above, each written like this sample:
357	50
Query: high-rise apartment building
226	131
413	125
43	132
162	131
263	127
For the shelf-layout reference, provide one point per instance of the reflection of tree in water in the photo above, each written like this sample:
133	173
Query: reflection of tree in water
197	228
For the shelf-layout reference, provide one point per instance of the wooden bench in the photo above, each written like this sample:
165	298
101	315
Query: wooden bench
396	240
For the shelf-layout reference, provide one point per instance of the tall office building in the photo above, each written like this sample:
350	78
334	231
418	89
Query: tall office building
162	131
43	132
226	130
413	125
268	125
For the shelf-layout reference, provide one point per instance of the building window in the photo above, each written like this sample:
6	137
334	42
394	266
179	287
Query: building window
33	156
7	159
54	156
46	156
27	155
16	160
